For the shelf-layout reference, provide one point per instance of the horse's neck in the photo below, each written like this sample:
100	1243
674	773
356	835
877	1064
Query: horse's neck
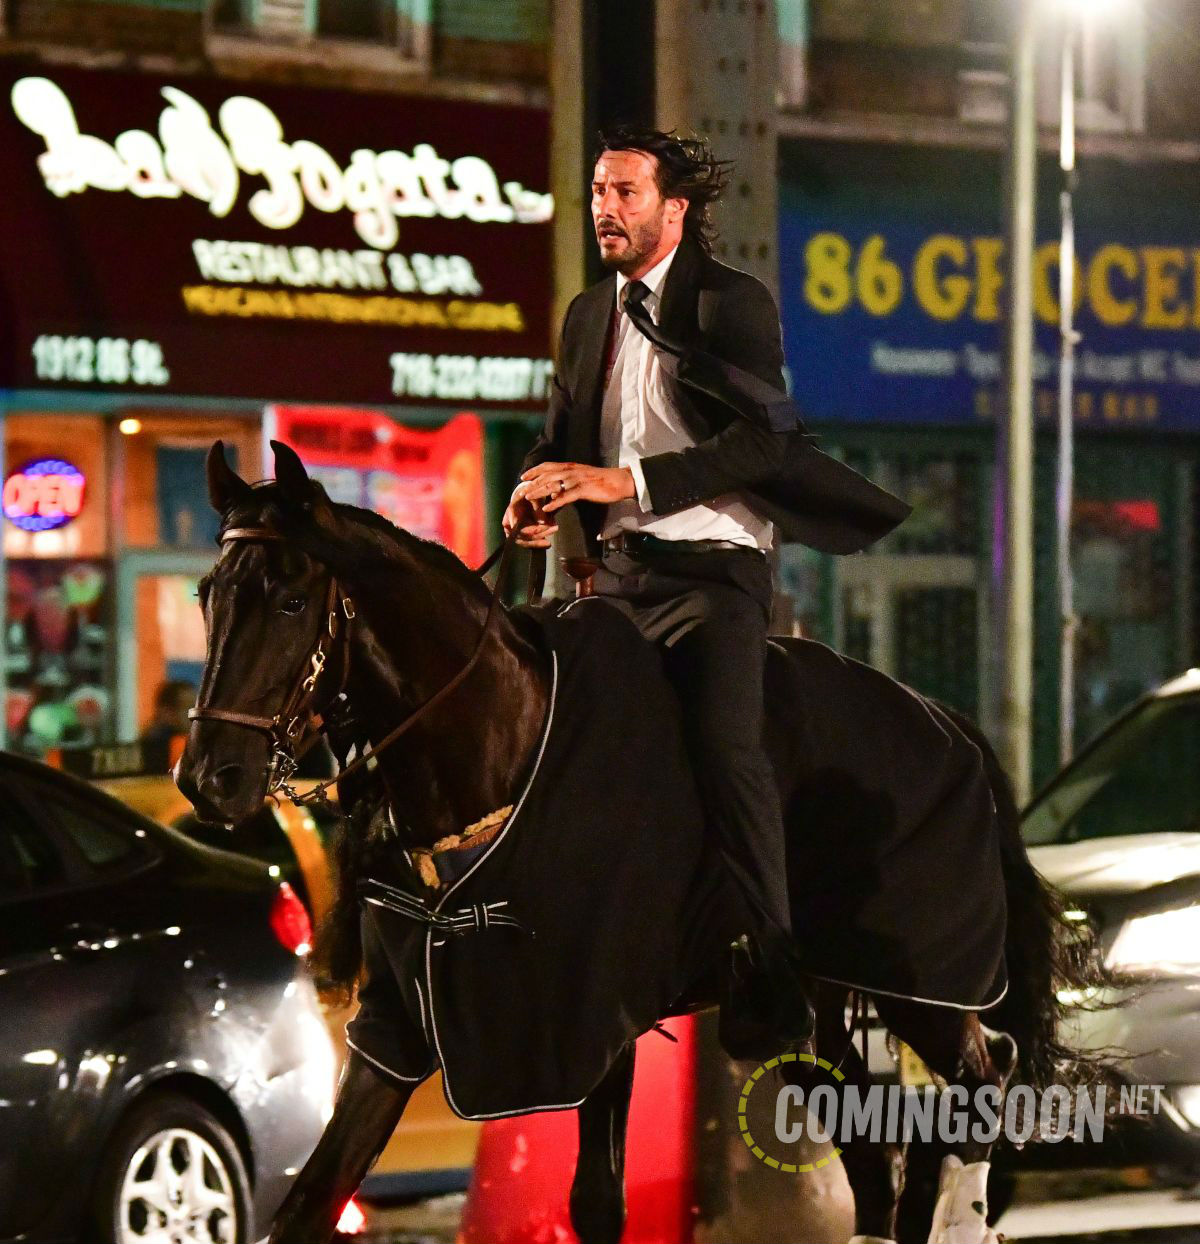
469	757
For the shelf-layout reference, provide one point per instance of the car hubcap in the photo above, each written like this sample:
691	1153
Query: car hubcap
177	1190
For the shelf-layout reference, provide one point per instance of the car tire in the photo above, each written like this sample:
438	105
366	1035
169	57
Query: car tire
171	1163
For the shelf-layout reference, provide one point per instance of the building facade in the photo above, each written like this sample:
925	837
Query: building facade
322	221
892	279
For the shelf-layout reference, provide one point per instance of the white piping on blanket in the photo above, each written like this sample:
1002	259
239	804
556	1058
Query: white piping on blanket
491	846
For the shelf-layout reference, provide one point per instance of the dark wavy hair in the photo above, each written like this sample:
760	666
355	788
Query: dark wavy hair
686	169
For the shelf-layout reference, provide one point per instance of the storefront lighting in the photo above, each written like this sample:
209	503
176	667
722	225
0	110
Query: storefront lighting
44	494
129	427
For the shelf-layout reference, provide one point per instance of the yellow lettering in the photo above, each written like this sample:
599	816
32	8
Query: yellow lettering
1108	308
1045	294
1164	266
943	297
989	279
827	286
1196	286
880	282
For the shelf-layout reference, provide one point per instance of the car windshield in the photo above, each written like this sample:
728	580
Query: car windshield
1142	777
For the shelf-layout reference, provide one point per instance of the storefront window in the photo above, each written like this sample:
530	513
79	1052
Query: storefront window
59	638
161	469
1124	599
167	537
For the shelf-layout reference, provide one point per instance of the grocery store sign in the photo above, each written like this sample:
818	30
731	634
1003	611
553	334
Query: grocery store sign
894	276
44	494
190	157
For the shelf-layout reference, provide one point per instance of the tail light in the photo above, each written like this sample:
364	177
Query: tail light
353	1221
290	922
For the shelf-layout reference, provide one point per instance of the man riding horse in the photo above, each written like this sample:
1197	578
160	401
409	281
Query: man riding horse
670	429
547	943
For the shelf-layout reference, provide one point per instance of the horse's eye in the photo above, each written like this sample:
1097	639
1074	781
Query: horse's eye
293	605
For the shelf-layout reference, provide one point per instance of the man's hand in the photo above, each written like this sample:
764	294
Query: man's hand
555	484
529	520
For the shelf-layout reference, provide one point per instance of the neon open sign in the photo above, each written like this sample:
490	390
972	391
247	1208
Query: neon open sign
43	494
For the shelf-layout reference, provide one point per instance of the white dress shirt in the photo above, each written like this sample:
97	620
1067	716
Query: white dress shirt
638	418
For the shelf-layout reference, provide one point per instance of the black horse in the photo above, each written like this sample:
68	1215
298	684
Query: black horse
325	616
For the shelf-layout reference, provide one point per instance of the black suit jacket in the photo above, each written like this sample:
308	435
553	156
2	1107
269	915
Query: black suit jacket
720	316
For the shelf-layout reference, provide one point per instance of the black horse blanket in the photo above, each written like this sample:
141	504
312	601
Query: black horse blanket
602	899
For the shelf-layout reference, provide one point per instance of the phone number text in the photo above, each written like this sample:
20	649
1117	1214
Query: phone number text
465	378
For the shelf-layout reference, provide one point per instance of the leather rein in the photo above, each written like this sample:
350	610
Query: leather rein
298	724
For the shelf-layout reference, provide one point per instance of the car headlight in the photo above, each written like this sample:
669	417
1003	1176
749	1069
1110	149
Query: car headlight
1165	941
1187	1100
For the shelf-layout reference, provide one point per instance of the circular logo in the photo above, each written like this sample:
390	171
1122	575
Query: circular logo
788	1097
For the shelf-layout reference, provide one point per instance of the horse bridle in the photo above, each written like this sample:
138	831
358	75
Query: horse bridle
298	724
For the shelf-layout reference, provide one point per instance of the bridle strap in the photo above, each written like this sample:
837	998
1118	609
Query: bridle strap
505	558
305	687
288	727
238	719
251	533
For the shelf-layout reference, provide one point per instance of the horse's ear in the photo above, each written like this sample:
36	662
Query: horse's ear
291	476
225	485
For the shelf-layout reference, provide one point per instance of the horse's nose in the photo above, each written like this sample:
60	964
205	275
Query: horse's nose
223	783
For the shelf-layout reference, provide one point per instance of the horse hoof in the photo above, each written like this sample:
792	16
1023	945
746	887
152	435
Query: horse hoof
961	1213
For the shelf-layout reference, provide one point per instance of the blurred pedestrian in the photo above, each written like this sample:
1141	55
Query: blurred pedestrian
171	703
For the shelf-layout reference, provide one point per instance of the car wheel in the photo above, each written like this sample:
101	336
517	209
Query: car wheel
172	1174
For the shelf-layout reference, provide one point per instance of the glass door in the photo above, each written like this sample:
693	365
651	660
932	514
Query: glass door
160	632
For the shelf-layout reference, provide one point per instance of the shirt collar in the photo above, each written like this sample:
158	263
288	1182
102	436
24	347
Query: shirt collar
653	280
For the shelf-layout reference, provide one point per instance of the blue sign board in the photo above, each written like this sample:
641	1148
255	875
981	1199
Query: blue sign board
893	279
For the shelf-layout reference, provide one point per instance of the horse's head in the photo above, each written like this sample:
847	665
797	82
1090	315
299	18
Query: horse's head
269	614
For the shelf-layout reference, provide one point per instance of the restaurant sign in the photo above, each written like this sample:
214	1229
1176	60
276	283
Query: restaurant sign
193	236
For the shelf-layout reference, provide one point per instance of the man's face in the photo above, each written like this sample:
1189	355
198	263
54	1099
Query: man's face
632	219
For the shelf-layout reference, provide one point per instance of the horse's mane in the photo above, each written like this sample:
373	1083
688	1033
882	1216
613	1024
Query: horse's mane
353	557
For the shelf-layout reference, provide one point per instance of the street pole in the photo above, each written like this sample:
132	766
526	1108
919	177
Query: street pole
568	180
1012	564
1065	489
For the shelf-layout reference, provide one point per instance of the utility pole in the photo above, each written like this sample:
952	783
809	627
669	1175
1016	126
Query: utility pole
1013	560
568	178
717	73
1065	490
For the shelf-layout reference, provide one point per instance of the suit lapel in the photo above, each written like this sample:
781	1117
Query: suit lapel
592	348
678	318
677	314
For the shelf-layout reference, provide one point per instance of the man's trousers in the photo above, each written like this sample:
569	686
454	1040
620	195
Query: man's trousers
708	613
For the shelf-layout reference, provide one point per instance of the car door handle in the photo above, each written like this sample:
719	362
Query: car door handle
84	938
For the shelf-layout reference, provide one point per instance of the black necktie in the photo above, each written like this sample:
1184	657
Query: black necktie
696	368
636	293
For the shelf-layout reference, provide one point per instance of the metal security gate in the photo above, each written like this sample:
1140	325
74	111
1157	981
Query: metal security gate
916	618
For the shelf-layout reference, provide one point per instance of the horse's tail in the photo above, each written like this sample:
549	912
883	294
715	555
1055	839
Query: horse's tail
1053	963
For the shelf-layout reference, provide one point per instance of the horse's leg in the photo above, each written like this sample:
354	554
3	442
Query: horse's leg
959	1049
598	1191
874	1168
368	1107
